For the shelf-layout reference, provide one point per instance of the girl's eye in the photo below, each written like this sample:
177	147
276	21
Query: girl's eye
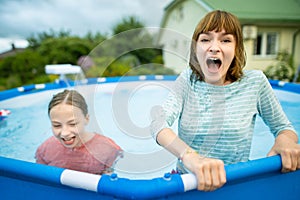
56	125
72	124
204	40
226	40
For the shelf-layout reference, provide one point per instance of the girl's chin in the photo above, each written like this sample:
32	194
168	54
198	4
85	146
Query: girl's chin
213	78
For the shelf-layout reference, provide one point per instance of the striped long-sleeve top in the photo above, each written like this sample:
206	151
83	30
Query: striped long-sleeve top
218	121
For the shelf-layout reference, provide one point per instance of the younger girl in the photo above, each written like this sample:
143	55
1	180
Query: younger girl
71	146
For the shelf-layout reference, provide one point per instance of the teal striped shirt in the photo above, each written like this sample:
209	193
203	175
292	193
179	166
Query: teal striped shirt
218	121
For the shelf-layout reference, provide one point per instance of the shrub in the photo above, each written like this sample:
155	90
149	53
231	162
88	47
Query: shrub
283	69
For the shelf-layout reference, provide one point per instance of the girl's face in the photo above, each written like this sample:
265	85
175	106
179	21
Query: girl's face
68	124
215	52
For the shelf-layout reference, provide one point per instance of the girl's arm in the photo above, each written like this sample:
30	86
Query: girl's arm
286	144
286	139
210	172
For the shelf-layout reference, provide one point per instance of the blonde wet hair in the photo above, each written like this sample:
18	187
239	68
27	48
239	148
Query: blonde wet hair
70	97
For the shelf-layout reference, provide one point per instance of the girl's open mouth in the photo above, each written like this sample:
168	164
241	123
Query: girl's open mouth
68	141
213	64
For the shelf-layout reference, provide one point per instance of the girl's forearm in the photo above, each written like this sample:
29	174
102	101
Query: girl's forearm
287	134
169	140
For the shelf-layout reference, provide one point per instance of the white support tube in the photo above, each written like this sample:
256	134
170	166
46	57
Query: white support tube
81	180
189	181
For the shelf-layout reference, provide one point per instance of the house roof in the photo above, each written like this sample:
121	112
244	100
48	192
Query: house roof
254	11
11	52
273	10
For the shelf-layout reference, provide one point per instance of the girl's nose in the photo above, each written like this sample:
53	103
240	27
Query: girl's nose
214	48
214	51
64	131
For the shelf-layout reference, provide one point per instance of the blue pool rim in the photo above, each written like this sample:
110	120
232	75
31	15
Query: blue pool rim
58	84
280	85
123	188
113	186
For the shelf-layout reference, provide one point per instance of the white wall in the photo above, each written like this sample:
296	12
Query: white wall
181	23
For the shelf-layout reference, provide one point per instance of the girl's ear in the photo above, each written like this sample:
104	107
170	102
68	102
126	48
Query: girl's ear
87	119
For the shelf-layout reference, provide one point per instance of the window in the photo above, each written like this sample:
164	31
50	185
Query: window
178	16
266	44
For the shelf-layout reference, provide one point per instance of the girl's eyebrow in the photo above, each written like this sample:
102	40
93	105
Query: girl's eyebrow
204	33
210	32
57	122
72	121
227	34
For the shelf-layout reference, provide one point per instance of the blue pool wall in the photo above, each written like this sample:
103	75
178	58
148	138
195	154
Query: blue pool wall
257	179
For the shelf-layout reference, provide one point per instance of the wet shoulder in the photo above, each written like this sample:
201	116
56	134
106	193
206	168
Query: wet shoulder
253	75
101	139
250	83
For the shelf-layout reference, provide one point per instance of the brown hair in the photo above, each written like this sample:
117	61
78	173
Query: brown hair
70	97
217	21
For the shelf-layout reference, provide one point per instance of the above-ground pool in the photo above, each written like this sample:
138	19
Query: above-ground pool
120	108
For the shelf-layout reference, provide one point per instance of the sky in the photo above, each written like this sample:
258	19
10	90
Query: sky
20	19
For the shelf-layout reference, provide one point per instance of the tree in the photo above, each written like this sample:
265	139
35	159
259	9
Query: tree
127	23
28	67
64	50
131	39
130	51
35	41
23	68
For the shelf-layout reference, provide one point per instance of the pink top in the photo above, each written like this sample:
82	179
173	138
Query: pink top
95	156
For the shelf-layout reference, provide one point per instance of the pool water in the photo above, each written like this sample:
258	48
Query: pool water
263	140
121	112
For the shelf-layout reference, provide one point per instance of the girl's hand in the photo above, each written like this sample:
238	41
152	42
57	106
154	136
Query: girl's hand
289	151
210	172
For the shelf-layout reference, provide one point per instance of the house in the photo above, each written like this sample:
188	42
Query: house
269	27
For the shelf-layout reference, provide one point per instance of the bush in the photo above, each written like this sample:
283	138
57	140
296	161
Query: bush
282	70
